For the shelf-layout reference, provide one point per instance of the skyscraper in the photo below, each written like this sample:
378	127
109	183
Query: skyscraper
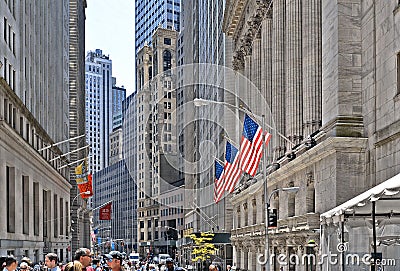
156	138
35	113
98	107
152	14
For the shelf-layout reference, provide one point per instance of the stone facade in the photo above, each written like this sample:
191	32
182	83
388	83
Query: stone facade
329	73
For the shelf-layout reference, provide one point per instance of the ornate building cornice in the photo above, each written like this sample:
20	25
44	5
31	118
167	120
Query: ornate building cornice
243	24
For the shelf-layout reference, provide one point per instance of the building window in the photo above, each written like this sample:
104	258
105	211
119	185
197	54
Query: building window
25	204
310	199
398	70
254	205
167	60
55	216
291	205
36	209
10	180
167	41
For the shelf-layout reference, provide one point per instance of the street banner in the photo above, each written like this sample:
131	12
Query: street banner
105	212
84	180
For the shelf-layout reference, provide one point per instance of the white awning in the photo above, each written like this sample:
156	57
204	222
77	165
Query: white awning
386	189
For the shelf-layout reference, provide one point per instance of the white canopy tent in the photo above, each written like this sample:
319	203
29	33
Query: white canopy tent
368	224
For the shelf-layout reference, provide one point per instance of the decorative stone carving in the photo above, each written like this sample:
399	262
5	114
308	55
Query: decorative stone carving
245	205
254	202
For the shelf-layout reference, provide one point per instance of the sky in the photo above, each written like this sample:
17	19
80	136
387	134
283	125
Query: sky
110	26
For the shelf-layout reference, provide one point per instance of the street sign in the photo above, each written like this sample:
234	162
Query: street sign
272	218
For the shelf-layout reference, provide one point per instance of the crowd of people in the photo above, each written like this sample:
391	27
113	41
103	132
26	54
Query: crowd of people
84	261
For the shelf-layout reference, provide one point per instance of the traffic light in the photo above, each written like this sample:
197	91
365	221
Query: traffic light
272	218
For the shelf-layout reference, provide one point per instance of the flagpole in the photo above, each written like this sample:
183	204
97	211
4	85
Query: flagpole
61	142
72	163
65	154
264	174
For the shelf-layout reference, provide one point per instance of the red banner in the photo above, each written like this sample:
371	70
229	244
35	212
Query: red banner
84	180
105	212
85	187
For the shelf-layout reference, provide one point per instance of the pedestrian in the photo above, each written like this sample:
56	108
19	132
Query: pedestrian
169	262
73	266
114	260
212	268
28	261
228	268
51	262
84	256
23	266
9	263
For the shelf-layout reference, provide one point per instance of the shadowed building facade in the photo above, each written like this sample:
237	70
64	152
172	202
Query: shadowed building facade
330	78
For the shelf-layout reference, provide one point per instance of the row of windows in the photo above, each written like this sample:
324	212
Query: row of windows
11	6
171	211
56	205
27	131
9	74
9	36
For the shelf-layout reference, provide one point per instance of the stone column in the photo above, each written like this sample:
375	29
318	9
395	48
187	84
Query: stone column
248	99
256	62
312	57
278	74
294	95
266	74
341	68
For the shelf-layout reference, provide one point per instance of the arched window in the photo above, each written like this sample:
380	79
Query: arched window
167	60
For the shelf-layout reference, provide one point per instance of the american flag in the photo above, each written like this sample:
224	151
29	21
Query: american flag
219	181
231	169
251	146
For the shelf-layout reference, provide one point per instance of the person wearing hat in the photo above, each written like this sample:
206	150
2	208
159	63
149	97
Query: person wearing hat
24	266
169	262
114	260
28	261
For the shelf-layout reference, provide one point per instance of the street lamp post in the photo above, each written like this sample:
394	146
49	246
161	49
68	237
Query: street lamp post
293	189
71	221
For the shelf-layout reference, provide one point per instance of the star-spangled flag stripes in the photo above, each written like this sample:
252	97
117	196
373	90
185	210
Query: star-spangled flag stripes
251	146
268	137
219	181
231	168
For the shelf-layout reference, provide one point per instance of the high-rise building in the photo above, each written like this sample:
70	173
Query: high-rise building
81	228
152	14
118	95
115	184
35	113
99	109
156	103
129	151
202	41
